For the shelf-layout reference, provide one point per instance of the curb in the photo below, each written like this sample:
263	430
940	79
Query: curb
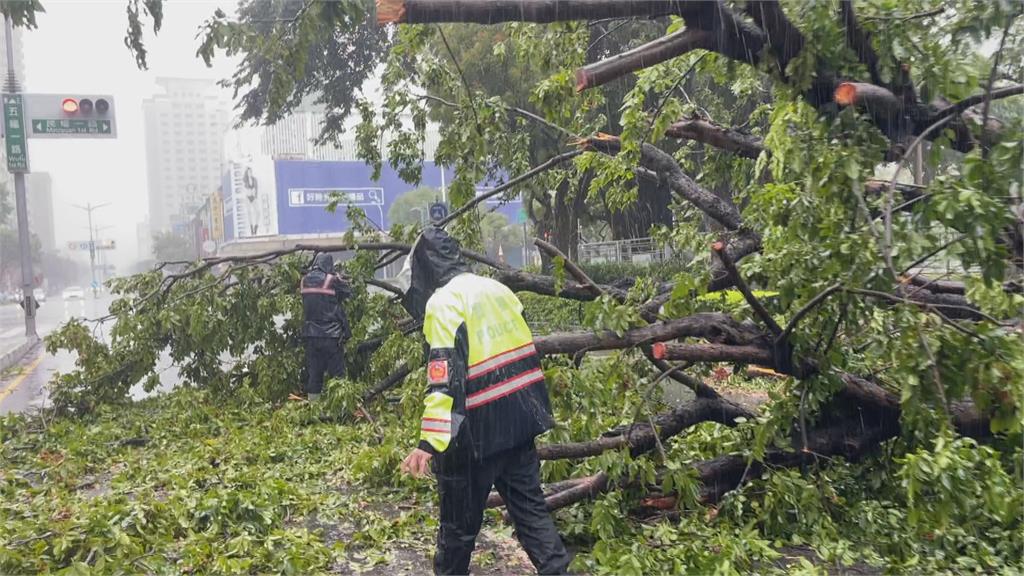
9	359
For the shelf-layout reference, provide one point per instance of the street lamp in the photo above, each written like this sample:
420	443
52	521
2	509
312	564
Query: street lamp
95	233
92	242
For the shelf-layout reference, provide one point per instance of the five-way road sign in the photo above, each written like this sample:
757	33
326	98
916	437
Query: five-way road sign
14	131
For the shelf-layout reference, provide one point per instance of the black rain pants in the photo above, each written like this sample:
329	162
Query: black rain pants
464	484
323	356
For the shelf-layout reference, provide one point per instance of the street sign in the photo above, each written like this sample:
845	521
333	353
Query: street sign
70	116
70	127
14	130
438	212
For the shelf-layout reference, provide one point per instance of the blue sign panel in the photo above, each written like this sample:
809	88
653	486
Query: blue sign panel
438	211
305	188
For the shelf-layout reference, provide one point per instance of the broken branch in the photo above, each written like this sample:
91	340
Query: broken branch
643	56
741	285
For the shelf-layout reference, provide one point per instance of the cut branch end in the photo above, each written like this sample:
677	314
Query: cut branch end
390	11
846	94
658	350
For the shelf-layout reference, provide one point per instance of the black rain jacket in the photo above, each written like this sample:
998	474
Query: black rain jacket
322	295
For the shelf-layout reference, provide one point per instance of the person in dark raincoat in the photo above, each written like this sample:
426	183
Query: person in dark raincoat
325	327
486	402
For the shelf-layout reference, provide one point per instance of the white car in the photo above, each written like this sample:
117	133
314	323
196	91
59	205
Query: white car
39	294
73	293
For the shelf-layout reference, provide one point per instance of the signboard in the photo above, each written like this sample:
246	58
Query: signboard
252	198
438	212
70	115
71	127
216	217
14	130
322	197
85	245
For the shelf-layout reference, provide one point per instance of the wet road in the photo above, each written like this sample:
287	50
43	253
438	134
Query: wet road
24	386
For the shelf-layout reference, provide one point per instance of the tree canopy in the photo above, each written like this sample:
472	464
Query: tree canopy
886	313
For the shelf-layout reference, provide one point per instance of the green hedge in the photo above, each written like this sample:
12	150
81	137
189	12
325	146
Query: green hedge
610	272
547	314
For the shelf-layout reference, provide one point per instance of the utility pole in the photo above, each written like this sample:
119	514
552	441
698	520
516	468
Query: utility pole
24	243
103	257
92	243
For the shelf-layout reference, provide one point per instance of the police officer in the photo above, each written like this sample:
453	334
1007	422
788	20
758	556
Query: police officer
485	404
325	327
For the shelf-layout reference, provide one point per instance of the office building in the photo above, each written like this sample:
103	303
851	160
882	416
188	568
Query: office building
185	129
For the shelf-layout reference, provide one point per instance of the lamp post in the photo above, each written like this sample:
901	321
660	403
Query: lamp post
103	257
92	243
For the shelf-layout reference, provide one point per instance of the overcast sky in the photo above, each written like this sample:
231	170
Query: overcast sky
79	47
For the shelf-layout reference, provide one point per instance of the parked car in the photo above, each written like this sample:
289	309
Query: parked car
39	294
73	293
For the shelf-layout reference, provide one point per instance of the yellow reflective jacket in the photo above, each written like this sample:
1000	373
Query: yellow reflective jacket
486	386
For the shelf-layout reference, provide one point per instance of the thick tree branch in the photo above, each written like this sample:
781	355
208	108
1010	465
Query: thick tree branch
760	355
520	281
963	105
537	11
721	137
571	267
392	380
782	37
643	56
859	40
710	326
741	285
640	437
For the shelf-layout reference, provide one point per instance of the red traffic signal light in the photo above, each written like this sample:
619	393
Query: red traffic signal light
84	106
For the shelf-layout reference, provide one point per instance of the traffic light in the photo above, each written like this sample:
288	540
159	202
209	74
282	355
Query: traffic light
84	107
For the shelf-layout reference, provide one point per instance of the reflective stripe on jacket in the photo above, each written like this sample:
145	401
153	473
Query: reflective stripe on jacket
486	385
323	316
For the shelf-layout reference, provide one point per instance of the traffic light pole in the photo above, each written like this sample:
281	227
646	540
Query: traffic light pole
24	242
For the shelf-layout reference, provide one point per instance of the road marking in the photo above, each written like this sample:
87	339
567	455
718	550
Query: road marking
12	332
21	377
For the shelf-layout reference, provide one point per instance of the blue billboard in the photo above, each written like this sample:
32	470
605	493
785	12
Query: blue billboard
305	188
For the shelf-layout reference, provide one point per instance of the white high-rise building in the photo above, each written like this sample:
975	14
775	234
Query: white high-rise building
184	146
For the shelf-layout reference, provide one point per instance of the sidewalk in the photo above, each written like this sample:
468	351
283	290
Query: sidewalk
13	349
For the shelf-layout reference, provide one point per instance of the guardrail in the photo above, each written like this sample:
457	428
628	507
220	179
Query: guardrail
637	250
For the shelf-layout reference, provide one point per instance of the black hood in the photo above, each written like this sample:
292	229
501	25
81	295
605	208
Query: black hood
436	258
324	263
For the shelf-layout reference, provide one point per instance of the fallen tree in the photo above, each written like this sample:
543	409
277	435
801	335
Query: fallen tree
819	269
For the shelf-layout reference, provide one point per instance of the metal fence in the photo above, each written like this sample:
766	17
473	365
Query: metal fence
638	250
